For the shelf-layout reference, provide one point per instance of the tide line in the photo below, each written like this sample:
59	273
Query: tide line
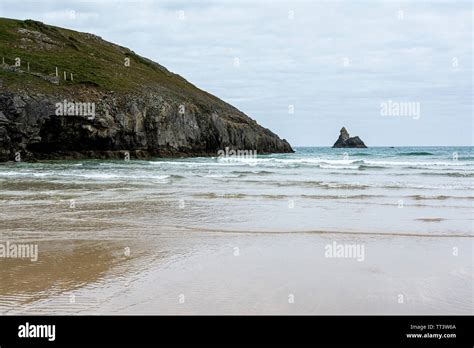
357	233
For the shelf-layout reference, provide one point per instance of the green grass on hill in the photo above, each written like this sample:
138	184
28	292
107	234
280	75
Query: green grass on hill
91	60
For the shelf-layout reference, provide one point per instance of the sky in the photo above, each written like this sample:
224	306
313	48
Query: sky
395	73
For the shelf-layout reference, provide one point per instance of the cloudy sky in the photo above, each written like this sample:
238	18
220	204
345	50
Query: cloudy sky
303	68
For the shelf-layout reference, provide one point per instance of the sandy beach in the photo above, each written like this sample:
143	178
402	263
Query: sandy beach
186	238
242	273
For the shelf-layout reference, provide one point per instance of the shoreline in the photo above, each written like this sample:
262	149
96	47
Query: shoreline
169	153
120	155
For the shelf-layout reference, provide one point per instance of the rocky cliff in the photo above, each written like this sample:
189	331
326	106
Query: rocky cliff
65	94
345	140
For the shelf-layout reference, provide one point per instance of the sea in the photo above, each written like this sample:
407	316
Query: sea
379	189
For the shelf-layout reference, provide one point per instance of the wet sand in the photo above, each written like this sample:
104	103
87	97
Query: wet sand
182	272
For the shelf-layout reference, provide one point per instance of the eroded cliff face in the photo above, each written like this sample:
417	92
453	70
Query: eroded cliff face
145	124
120	102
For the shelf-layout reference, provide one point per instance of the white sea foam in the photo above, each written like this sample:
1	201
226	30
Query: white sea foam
415	164
317	162
92	175
329	166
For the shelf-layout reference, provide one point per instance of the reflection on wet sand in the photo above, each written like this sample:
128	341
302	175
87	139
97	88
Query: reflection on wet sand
62	266
86	235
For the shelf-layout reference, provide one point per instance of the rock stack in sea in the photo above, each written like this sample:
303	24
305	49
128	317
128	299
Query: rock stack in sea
345	140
